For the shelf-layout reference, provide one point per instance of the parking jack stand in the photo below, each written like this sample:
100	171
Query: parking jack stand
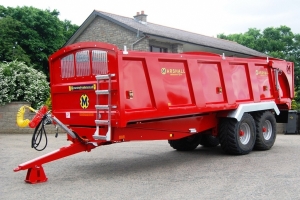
36	174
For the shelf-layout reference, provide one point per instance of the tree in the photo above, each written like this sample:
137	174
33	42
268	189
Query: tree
9	35
68	29
32	35
278	42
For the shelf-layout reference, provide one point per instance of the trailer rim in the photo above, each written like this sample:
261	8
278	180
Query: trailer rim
245	133
267	130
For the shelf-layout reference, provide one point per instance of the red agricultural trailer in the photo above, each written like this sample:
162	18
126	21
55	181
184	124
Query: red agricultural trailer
102	95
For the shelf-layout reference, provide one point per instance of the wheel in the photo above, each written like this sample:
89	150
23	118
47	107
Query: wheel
237	137
265	130
209	141
185	144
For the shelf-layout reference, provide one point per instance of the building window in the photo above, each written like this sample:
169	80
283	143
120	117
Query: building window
158	49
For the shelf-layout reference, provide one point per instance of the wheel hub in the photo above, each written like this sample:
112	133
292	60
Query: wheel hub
242	133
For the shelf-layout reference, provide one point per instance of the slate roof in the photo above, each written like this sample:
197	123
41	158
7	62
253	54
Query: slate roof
172	33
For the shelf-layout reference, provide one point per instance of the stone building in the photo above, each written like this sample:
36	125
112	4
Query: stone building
138	34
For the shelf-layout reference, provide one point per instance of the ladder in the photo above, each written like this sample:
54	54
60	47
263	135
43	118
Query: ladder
103	122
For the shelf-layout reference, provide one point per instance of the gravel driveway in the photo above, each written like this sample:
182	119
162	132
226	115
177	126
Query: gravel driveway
153	170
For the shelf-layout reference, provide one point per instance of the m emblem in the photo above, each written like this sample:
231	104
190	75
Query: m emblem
84	101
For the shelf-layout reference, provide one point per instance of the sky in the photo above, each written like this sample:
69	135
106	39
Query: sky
207	17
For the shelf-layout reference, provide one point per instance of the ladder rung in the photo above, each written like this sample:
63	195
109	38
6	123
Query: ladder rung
104	107
102	92
104	77
102	122
99	137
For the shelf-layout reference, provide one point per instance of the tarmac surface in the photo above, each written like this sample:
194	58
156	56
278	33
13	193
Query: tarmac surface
152	170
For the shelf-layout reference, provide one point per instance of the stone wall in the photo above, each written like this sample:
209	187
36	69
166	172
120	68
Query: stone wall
8	116
105	31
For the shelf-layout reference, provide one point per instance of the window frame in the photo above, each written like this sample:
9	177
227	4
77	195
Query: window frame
161	49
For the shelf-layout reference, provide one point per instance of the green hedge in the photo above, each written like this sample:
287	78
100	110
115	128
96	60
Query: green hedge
18	82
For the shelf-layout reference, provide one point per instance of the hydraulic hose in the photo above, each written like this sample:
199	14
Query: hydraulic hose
38	133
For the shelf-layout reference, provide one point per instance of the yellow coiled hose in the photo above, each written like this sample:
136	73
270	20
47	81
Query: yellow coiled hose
20	117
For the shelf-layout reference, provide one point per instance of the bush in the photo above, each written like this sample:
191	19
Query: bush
48	103
18	82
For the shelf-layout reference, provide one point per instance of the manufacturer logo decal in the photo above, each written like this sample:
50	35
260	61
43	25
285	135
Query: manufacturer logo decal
82	87
172	72
261	73
288	69
163	70
84	101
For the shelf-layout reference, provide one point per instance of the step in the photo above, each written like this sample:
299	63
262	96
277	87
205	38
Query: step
104	77
104	107
101	122
99	92
99	137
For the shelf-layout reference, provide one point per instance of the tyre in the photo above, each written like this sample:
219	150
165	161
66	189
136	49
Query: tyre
265	130
237	137
185	144
209	141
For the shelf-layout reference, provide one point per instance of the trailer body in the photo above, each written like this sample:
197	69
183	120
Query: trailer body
104	95
161	92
